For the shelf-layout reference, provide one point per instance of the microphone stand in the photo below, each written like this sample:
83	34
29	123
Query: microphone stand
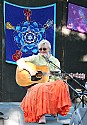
78	94
84	88
67	74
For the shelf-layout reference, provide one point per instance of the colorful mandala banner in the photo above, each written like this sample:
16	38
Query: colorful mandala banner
25	27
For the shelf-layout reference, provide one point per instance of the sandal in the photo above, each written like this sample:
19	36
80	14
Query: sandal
42	120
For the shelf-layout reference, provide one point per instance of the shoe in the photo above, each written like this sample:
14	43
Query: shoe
42	120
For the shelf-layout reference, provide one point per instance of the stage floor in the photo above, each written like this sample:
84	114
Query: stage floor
13	115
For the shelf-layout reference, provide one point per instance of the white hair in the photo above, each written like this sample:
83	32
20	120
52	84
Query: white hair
44	41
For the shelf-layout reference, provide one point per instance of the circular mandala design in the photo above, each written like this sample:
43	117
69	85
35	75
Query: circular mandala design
27	35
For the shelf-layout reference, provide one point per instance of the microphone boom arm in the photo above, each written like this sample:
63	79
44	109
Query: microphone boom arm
66	74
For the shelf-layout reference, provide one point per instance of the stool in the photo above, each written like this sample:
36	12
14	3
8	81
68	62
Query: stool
82	97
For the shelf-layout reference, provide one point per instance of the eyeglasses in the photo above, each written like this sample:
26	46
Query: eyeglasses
42	49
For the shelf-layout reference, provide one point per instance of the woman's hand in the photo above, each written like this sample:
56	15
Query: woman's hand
32	72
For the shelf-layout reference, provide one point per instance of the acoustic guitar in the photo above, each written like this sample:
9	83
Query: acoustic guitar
23	77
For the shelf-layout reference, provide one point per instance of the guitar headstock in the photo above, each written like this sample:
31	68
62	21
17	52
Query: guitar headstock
27	13
48	24
78	75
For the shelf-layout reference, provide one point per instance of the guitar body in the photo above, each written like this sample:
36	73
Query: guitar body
23	77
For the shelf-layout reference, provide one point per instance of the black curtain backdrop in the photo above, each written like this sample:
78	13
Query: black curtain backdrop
69	49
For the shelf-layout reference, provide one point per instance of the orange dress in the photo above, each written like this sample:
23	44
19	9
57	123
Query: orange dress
46	98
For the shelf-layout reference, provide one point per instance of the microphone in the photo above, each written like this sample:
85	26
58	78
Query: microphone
46	58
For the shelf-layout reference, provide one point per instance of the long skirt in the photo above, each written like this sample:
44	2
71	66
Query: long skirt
46	98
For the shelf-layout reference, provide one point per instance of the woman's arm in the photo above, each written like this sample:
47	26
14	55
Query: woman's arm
23	65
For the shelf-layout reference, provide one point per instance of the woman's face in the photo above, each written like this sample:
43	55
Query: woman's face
44	49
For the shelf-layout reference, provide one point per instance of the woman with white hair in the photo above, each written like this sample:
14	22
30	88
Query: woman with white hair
49	96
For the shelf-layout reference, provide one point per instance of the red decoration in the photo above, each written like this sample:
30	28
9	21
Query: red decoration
27	13
17	55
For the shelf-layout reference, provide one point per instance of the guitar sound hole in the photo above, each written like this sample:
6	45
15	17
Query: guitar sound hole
34	78
39	74
37	77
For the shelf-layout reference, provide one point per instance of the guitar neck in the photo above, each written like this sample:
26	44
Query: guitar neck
56	73
70	75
